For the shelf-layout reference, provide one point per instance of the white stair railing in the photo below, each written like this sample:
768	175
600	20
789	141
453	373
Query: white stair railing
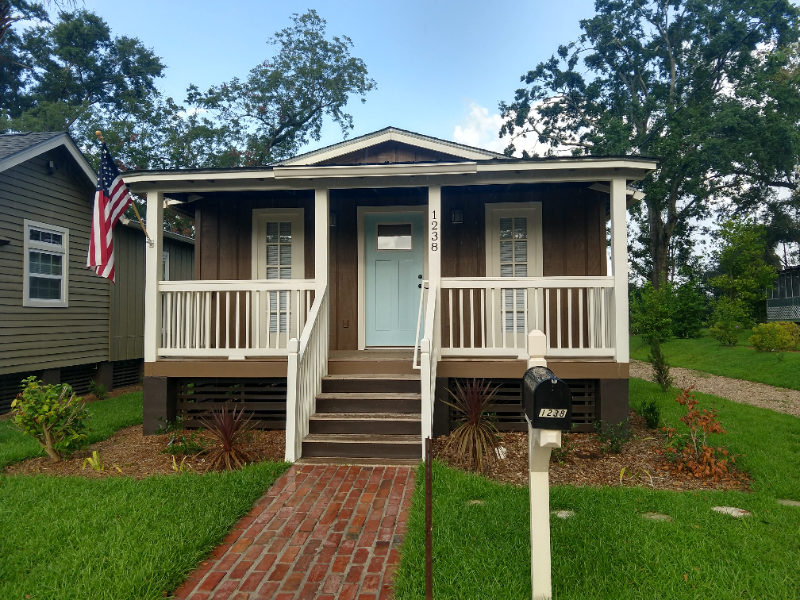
307	365
429	354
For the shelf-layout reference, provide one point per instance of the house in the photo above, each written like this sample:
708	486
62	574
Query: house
783	300
338	294
59	320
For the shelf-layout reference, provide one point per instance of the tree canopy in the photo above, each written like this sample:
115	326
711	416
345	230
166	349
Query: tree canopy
710	87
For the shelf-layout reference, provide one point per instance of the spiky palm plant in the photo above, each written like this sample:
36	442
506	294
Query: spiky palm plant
476	437
228	428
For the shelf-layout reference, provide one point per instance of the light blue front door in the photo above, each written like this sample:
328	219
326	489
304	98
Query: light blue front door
393	256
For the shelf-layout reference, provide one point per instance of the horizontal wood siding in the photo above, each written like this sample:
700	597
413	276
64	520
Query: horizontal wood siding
127	296
33	338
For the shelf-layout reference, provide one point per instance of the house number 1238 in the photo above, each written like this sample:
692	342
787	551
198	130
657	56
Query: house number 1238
434	233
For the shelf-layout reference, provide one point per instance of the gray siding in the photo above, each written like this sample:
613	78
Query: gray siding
33	338
127	296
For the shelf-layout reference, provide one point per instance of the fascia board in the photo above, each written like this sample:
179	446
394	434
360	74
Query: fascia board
604	164
47	145
189	177
387	170
387	136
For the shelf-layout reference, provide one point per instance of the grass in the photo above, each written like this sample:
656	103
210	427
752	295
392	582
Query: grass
607	550
740	361
107	417
117	538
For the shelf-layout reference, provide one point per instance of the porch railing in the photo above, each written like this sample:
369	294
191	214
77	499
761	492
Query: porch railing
232	318
493	315
307	365
429	353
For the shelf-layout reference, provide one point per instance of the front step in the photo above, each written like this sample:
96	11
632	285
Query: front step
362	446
381	384
372	365
366	423
361	402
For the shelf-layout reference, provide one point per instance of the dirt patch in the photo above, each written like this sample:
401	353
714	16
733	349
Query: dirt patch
582	462
781	400
131	454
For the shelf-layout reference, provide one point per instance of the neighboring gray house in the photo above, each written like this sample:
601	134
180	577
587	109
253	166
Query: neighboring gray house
59	320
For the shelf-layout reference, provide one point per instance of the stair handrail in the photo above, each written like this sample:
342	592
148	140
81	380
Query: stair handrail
307	365
415	359
430	349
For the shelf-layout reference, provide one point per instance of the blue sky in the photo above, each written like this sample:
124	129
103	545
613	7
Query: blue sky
441	67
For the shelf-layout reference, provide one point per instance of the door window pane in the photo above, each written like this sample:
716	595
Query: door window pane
394	237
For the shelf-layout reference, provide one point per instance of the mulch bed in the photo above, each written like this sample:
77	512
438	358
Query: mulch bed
583	462
131	454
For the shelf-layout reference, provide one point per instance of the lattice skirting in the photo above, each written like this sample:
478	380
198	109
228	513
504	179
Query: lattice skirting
783	313
264	399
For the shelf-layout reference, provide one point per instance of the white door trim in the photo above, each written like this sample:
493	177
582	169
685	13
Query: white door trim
258	253
532	210
361	212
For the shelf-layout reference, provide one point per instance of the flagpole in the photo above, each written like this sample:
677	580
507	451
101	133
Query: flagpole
99	135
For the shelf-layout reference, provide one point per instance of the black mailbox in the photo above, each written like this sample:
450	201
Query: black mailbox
547	400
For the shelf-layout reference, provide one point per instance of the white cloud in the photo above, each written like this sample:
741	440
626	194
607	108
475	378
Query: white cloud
480	129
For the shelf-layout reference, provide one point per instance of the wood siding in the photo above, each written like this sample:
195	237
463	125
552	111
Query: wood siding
127	296
573	223
34	338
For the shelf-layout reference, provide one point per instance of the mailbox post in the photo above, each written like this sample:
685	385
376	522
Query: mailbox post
547	401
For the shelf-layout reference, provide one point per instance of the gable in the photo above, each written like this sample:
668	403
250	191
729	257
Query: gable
391	152
391	145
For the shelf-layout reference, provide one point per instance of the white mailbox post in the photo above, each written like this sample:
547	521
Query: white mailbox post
547	402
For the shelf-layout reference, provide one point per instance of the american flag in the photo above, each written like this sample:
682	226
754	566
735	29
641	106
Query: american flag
111	200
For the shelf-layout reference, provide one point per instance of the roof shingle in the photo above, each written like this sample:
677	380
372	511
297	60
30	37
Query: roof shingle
12	143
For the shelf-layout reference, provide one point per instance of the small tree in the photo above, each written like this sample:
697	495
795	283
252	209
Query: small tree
660	366
651	313
52	415
689	310
476	436
729	319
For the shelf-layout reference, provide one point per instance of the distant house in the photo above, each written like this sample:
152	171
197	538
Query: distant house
783	300
58	320
341	293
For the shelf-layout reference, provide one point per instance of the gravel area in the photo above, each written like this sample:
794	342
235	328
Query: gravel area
745	392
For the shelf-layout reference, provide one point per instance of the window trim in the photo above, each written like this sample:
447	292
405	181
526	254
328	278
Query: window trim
531	210
259	248
28	246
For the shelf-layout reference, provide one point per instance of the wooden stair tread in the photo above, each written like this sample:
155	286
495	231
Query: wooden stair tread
362	438
368	396
366	417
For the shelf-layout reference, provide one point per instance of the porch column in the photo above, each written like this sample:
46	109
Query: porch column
153	260
435	237
619	260
321	237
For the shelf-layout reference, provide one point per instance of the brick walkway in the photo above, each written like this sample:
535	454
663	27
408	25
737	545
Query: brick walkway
320	532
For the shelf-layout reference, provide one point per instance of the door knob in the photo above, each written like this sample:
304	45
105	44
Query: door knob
419	285
419	276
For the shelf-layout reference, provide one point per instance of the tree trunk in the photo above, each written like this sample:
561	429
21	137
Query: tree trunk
659	248
54	454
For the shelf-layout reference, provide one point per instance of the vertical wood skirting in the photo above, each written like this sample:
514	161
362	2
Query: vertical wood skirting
153	257
619	258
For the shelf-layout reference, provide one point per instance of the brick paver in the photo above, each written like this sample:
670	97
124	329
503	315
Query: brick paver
319	532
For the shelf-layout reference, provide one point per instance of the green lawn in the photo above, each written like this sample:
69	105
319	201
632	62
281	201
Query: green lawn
739	362
107	416
116	538
607	550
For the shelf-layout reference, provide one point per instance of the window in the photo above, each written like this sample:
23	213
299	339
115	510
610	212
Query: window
513	249
165	265
46	265
394	236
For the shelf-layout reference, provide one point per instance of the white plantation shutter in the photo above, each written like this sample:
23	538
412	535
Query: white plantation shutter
279	266
513	237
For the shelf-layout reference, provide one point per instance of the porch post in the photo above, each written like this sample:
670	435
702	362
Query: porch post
619	259
321	237
435	237
153	259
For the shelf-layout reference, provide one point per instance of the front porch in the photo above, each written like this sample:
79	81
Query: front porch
453	259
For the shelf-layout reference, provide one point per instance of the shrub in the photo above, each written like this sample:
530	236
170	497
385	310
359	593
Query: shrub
650	312
651	411
229	429
98	390
691	451
613	437
780	336
52	415
689	308
730	318
185	445
660	366
476	437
